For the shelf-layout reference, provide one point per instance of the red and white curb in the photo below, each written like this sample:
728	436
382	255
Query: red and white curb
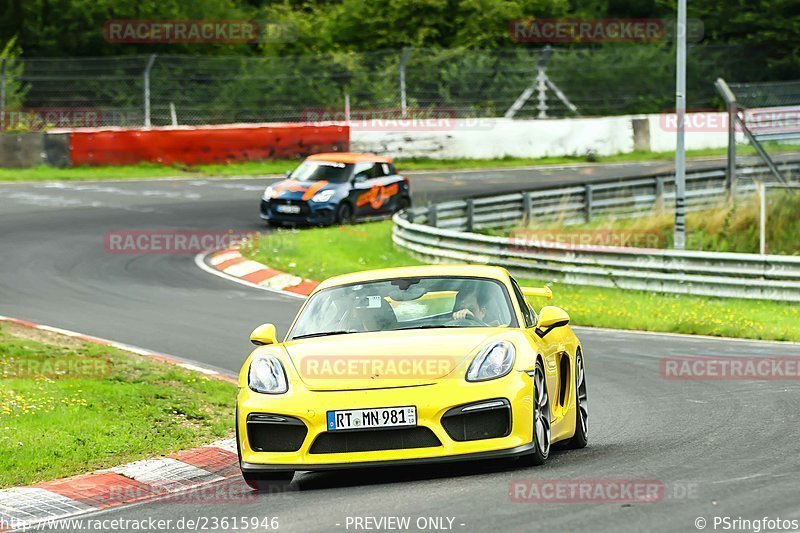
22	507
182	477
231	265
164	358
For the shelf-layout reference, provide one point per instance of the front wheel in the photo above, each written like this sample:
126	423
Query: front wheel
402	203
581	436
344	213
267	481
541	419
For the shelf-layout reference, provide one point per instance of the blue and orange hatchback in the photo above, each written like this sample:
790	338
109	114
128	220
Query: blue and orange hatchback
336	188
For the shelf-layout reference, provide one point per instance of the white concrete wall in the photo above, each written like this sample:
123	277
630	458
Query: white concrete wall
489	138
703	130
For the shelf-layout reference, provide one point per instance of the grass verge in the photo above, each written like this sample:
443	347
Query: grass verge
323	252
68	407
260	168
725	228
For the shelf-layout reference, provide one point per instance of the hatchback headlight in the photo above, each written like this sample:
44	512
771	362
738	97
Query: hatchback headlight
323	196
267	375
269	193
494	361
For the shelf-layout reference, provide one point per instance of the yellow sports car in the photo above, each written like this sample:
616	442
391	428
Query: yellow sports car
411	365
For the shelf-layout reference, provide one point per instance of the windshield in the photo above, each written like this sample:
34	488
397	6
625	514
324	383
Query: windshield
406	303
323	170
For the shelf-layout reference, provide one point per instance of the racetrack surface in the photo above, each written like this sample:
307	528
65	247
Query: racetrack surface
731	445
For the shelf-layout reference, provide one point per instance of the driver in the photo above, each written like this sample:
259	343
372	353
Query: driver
469	306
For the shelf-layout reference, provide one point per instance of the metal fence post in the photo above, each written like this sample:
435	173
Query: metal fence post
730	99
3	95
588	202
147	69
432	212
761	187
403	101
470	214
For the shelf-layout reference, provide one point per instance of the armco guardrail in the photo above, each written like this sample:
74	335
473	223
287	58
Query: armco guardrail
736	275
581	203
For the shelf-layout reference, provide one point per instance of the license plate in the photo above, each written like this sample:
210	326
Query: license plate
287	208
386	417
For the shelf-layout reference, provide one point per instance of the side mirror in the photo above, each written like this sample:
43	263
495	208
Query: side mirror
550	318
288	173
263	335
359	178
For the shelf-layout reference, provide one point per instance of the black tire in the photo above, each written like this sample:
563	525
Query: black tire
581	436
344	213
541	419
403	203
268	481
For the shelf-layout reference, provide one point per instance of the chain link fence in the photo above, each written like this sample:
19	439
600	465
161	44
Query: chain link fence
519	82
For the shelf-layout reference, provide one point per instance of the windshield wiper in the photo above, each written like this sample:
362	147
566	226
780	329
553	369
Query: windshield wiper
323	334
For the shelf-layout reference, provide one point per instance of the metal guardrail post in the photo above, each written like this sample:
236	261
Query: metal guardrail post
470	214
659	191
588	201
432	214
526	207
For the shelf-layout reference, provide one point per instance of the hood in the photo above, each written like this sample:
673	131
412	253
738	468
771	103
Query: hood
300	190
385	359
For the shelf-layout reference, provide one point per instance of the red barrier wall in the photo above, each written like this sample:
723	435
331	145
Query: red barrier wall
205	144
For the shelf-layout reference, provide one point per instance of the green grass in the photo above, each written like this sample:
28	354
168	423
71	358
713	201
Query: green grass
259	168
323	252
52	426
726	228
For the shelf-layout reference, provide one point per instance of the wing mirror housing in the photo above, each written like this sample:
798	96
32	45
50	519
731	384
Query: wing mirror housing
551	317
263	335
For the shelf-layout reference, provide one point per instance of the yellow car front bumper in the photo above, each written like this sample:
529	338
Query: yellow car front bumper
432	402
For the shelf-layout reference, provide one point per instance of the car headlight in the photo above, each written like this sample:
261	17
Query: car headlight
269	193
323	196
267	375
494	361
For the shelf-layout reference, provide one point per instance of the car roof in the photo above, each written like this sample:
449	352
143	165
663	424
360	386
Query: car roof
477	271
349	157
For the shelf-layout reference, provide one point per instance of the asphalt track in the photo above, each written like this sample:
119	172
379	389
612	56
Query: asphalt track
719	447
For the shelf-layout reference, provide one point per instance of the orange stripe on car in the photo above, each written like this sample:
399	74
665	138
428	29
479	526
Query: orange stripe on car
309	194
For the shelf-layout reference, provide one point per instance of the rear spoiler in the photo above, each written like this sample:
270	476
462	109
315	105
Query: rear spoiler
543	292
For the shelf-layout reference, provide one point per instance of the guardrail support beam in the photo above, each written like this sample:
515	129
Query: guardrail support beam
659	192
470	214
588	201
432	213
526	207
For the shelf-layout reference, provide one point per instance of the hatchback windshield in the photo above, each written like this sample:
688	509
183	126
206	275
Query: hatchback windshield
323	170
406	303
